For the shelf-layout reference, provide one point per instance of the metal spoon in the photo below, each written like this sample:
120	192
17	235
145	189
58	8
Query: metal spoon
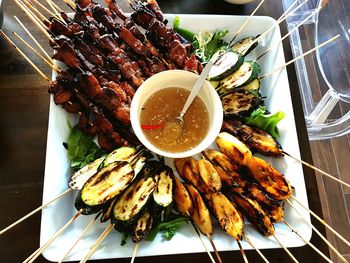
176	125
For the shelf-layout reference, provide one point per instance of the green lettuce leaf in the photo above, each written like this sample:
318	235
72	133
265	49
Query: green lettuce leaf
82	149
168	229
266	122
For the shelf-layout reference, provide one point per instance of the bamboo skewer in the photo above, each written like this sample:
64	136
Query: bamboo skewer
320	171
34	19
86	229
318	233
59	9
70	3
205	247
99	240
50	3
55	68
285	249
246	21
33	38
26	9
307	242
43	7
40	250
242	252
24	55
283	17
299	57
34	9
34	211
322	221
214	248
134	253
256	249
286	35
287	11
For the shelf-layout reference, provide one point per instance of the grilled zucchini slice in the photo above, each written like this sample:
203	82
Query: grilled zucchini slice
227	215
121	154
254	213
246	73
163	194
225	65
107	211
245	46
254	85
80	177
131	203
142	227
106	184
240	103
200	213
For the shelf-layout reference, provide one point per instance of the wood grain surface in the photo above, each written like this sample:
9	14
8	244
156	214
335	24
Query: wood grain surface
24	103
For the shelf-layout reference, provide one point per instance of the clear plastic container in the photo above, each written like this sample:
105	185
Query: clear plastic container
324	76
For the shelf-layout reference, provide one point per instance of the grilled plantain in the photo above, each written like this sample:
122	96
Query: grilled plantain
226	169
254	213
182	198
142	227
270	205
233	148
200	213
272	181
209	175
188	170
255	138
227	215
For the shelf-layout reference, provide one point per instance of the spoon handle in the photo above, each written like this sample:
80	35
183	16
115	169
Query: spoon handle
197	86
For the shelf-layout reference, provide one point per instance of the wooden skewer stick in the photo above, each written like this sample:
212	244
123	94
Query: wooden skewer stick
318	233
99	240
287	11
134	253
242	251
299	57
205	247
283	17
322	221
86	229
318	170
24	55
34	211
43	8
246	21
29	12
287	35
34	20
307	242
55	68
35	10
214	247
50	3
70	3
257	250
34	39
59	9
285	249
40	250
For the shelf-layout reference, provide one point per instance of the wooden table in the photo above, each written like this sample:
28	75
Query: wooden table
24	101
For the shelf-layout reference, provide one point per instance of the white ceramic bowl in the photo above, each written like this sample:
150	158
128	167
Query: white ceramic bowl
181	79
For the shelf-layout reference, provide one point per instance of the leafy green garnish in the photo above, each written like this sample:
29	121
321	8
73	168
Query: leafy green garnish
187	34
266	122
82	149
168	229
207	44
124	238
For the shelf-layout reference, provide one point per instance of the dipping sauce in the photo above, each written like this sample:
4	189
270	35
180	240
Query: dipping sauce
160	126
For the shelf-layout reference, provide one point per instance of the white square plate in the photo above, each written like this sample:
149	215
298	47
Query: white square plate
57	172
